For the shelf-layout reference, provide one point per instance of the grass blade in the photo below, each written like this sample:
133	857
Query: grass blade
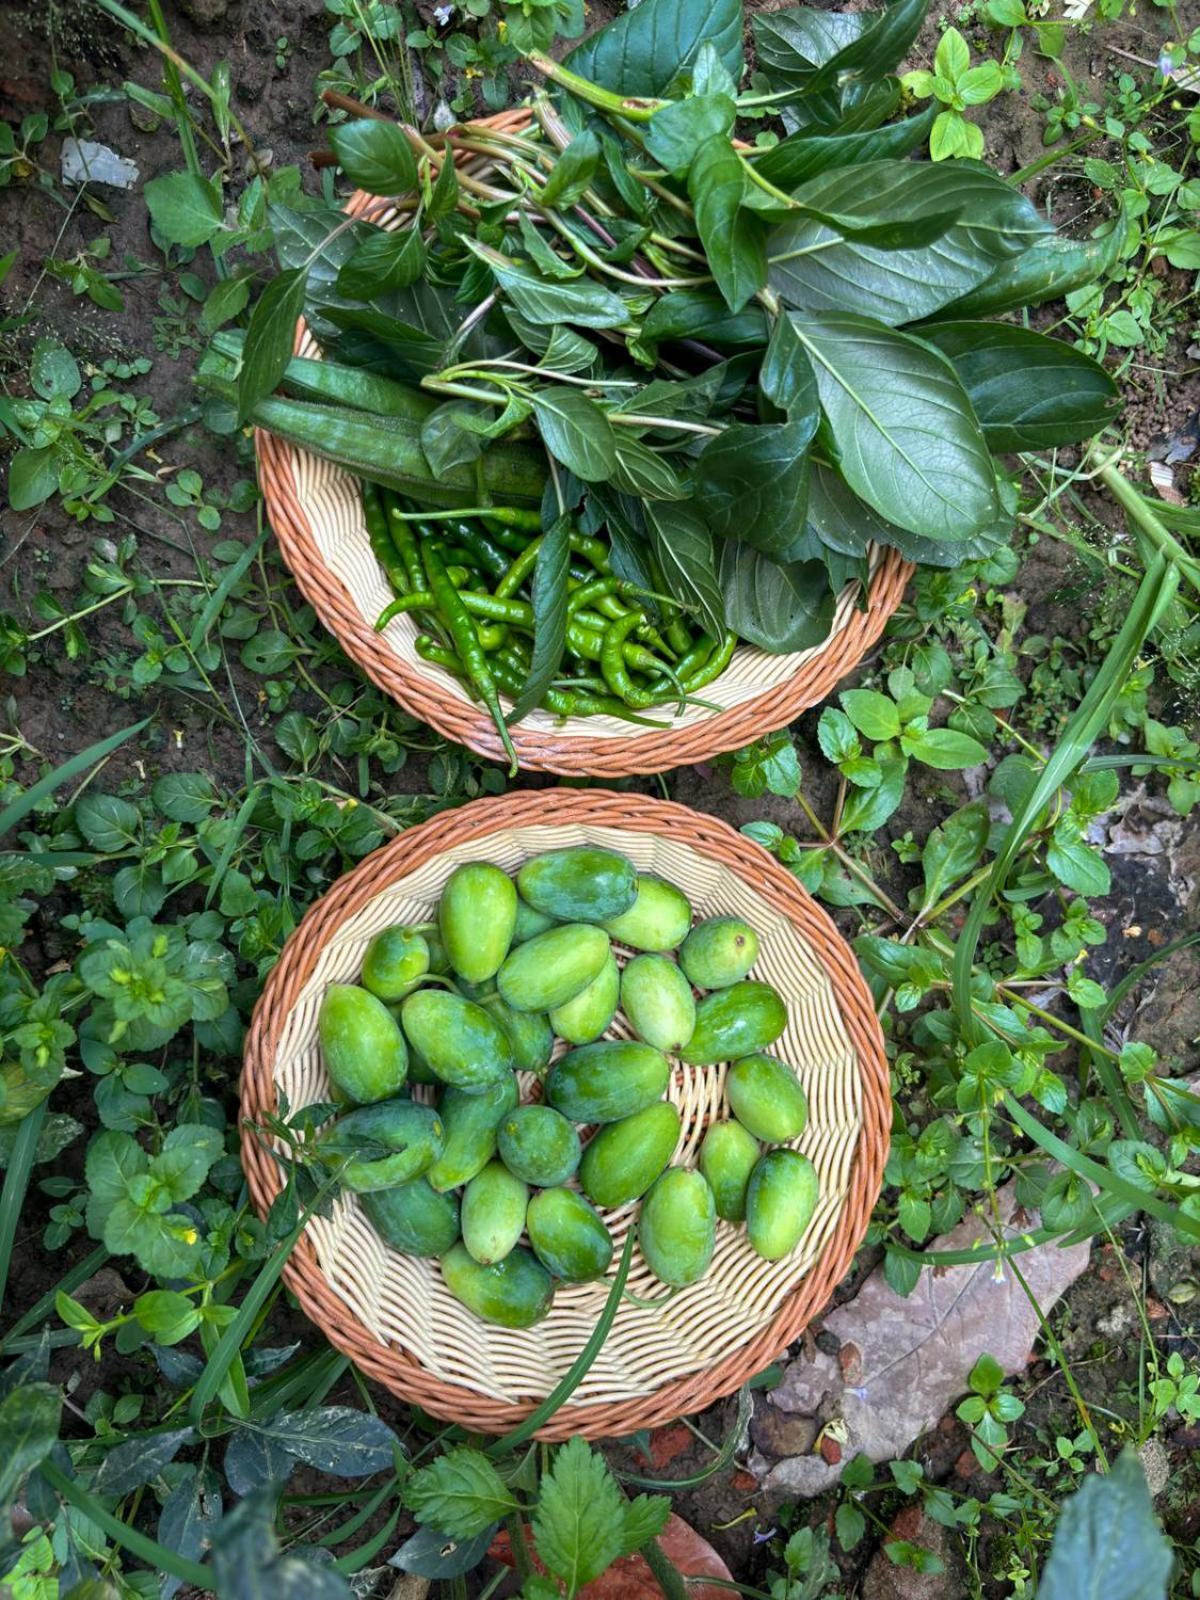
16	1181
80	1273
578	1369
157	1556
24	804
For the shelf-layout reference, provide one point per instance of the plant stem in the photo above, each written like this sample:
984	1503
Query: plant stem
635	110
1135	505
666	1574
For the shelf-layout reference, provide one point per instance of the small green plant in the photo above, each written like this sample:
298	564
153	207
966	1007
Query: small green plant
958	86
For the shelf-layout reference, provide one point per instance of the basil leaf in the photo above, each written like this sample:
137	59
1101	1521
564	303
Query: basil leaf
701	314
576	432
375	156
639	53
786	376
573	171
802	156
778	607
643	472
906	438
683	547
677	131
845	525
270	339
792	44
1049	270
549	617
752	482
1029	392
814	267
383	262
879	48
582	301
732	237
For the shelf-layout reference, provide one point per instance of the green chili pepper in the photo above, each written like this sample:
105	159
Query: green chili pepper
519	569
429	650
571	703
716	664
384	551
488	556
470	651
693	659
406	545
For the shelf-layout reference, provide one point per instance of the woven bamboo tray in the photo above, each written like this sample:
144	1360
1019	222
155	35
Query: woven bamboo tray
315	510
678	1354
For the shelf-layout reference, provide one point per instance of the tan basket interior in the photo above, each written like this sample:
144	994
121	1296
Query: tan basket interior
402	1301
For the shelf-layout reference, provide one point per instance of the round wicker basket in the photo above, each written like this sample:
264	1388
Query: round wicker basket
316	512
666	1354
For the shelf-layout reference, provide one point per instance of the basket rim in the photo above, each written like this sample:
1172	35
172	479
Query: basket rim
467	724
399	1371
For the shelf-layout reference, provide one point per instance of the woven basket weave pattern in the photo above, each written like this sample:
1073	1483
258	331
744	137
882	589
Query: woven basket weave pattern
391	1312
316	512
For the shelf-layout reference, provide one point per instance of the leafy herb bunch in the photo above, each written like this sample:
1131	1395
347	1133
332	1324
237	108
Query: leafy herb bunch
751	364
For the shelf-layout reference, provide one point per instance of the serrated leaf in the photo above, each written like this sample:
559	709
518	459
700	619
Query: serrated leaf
641	51
1028	392
645	1518
460	1493
579	1515
1108	1544
906	439
549	595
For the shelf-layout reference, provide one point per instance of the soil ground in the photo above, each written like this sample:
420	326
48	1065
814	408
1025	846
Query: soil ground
61	706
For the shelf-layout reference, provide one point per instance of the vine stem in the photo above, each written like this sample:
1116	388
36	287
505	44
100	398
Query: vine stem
634	109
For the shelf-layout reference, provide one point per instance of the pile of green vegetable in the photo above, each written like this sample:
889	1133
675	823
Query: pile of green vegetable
465	1004
729	330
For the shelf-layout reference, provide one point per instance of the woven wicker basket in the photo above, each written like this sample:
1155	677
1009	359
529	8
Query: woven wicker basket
316	513
680	1352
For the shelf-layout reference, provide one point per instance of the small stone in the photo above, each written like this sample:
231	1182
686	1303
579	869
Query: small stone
85	161
783	1433
831	1450
828	1342
1156	1464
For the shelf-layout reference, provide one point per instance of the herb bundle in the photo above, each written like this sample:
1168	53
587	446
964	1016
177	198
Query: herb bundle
734	367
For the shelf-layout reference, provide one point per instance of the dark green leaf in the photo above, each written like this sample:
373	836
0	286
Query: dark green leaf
29	1427
780	608
641	471
906	439
432	1554
335	1439
376	156
1108	1544
549	616
445	441
107	822
582	301
953	849
879	48
945	749
461	1492
786	377
702	314
792	44
184	208
226	300
677	131
812	266
804	156
139	1461
385	261
252	1459
443	197
683	548
270	339
733	238
573	171
1049	270
32	477
576	432
842	522
639	53
188	1521
752	482
1028	392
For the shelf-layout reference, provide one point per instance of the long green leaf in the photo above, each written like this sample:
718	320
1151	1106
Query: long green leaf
16	1181
156	1555
549	617
24	804
579	1368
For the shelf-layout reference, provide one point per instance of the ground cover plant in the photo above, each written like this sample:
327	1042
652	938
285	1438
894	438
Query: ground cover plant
999	810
